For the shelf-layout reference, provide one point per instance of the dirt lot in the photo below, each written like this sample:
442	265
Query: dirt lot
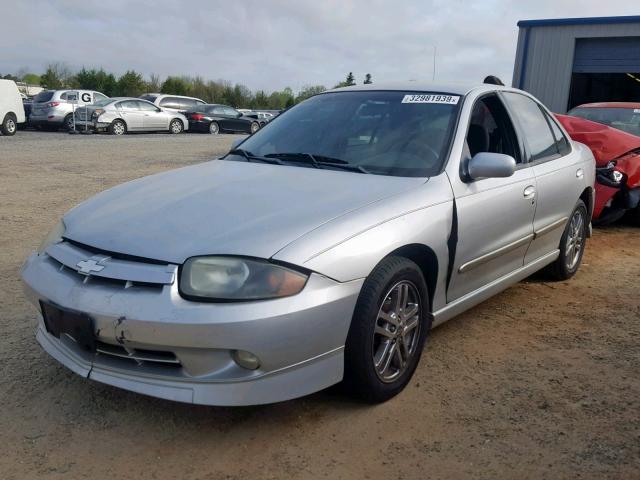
542	381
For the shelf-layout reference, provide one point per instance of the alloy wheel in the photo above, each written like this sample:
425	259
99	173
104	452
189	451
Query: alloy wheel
213	128
575	239
397	331
176	126
118	128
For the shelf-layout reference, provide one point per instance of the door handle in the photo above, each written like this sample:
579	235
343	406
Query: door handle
579	173
529	192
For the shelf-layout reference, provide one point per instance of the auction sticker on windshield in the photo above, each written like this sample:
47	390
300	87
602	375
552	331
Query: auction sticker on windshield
431	98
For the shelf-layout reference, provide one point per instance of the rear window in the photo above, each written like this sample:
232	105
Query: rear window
44	96
149	98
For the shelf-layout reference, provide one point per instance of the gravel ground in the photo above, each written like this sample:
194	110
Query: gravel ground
542	381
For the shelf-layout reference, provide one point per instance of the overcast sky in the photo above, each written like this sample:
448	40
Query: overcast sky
272	44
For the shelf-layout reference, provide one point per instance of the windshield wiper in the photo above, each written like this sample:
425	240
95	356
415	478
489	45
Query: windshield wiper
319	161
250	156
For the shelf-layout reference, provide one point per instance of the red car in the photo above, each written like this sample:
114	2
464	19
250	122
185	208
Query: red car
617	155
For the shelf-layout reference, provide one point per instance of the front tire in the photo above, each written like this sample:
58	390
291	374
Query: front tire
572	244
176	126
9	125
388	330
117	127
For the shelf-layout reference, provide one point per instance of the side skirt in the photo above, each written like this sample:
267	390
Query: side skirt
487	291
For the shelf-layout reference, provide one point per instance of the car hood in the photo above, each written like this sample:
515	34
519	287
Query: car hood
222	207
605	142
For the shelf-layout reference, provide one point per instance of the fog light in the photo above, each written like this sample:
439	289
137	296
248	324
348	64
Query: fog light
246	359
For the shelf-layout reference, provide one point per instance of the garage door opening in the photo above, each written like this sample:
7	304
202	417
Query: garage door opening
604	87
605	70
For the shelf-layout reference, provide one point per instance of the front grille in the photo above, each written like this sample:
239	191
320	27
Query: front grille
100	267
137	355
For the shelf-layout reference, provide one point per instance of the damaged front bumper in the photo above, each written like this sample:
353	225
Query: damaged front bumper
152	341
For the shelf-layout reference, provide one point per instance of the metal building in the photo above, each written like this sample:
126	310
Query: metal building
569	61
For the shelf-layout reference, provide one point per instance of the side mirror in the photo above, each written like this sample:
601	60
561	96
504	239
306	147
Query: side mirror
491	165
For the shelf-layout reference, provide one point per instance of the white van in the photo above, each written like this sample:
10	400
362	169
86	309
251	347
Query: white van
11	109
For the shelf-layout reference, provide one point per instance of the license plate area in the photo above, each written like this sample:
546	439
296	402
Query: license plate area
78	325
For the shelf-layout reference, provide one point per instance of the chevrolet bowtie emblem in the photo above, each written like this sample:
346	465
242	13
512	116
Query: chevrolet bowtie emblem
87	267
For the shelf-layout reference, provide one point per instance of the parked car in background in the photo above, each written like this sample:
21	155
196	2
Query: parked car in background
11	107
51	109
123	114
617	155
624	116
324	247
26	104
217	118
174	103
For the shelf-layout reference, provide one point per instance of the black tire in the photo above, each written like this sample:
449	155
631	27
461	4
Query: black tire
361	378
214	128
9	125
117	127
176	126
567	263
68	123
255	126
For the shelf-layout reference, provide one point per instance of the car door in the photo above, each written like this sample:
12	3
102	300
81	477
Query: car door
494	215
131	114
235	120
153	117
558	170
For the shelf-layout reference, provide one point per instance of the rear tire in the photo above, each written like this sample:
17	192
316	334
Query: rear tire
389	327
214	128
9	125
176	126
572	244
68	123
117	127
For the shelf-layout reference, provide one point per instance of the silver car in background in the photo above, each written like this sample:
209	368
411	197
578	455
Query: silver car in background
51	108
174	103
323	248
123	114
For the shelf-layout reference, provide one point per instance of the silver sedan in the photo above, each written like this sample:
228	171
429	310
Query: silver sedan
121	115
321	249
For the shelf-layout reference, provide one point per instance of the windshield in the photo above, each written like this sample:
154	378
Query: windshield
626	119
386	133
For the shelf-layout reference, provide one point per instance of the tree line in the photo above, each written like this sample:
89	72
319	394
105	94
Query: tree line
134	84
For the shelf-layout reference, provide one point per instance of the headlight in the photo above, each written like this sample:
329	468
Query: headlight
617	176
54	236
230	278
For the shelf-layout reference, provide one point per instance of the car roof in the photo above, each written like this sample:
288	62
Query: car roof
629	105
411	86
170	95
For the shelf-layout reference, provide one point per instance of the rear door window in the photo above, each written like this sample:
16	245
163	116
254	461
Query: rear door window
146	106
97	97
534	127
564	148
128	105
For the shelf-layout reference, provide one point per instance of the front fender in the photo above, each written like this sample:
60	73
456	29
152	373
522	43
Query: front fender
351	247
